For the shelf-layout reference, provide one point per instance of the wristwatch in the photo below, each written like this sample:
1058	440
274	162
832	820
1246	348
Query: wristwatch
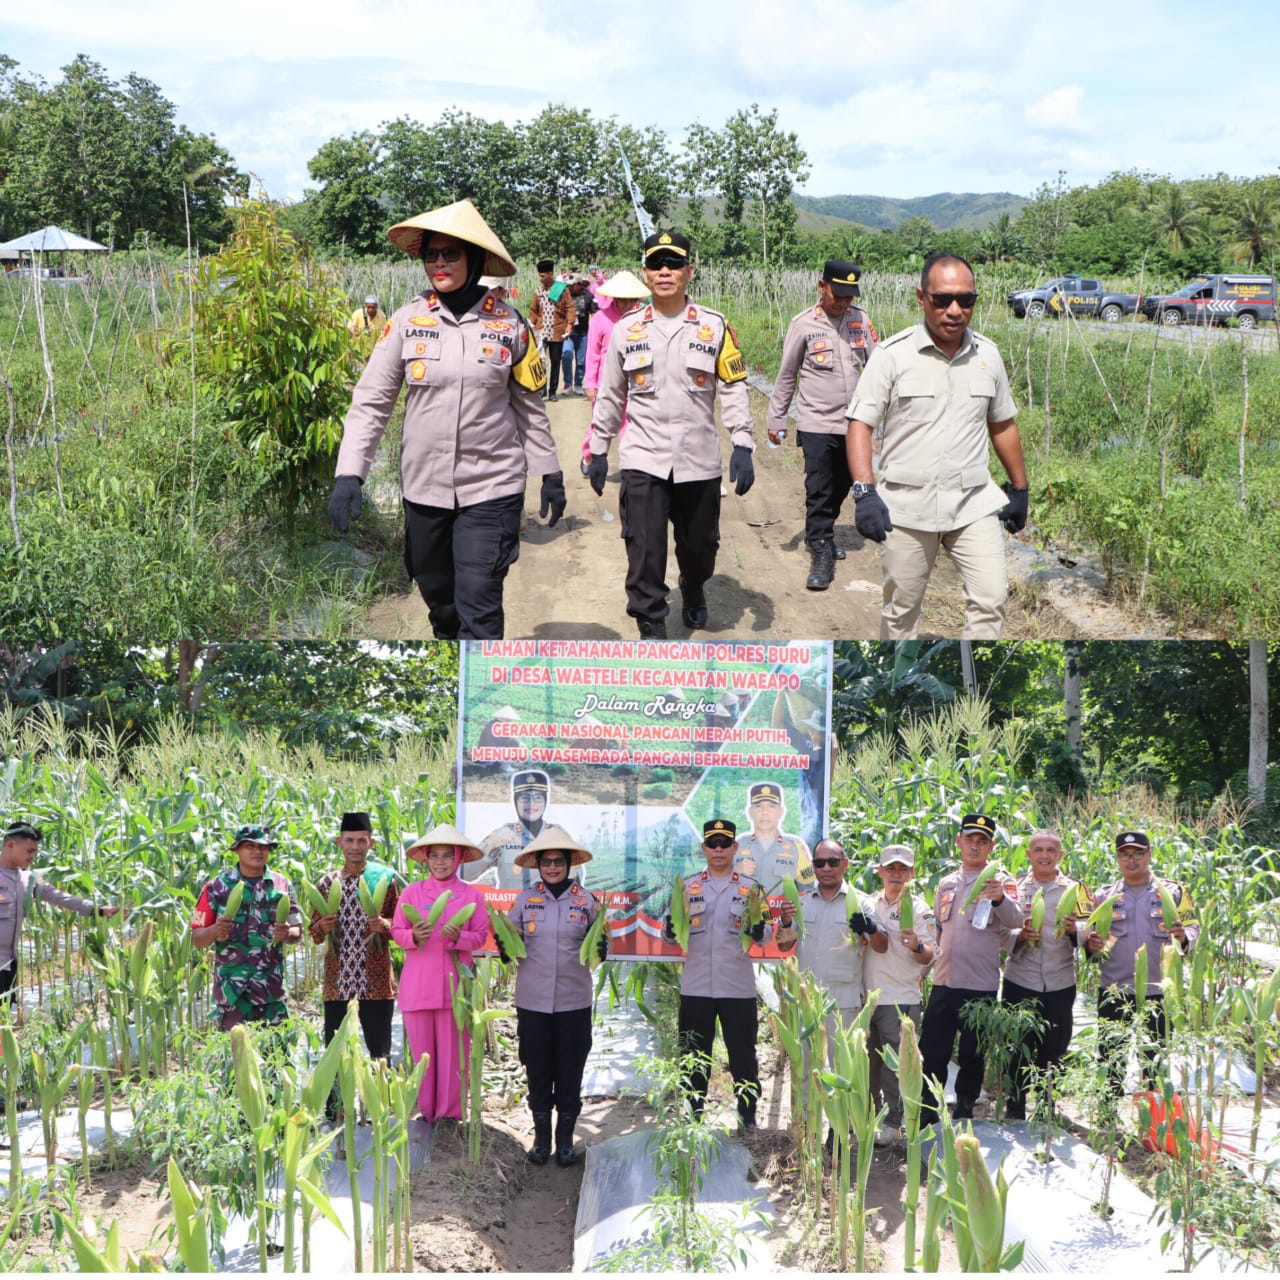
860	490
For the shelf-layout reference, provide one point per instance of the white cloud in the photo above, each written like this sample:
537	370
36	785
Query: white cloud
1059	111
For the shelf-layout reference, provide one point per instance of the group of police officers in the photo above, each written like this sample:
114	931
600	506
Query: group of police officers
935	396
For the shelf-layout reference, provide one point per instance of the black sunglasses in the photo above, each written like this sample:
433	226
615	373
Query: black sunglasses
676	264
553	862
826	862
943	300
718	844
453	253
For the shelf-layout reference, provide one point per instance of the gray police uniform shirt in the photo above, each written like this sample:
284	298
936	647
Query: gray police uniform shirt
1050	966
827	356
667	382
1138	918
828	950
715	964
551	978
933	413
474	424
896	973
968	958
15	888
784	855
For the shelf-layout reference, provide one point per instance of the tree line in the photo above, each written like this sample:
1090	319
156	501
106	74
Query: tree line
108	159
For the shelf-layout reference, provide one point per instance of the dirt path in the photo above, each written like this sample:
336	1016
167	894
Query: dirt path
568	580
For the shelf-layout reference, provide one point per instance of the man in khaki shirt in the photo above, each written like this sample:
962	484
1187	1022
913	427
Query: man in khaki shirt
826	348
938	394
665	365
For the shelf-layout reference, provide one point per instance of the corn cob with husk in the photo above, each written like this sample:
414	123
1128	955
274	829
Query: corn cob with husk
508	937
991	869
906	911
282	908
1168	907
589	952
320	905
755	912
334	902
1100	919
372	901
463	915
1140	967
438	908
1068	905
792	895
680	913
1037	913
234	899
984	1204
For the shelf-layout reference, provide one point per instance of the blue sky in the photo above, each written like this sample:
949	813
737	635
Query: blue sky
901	98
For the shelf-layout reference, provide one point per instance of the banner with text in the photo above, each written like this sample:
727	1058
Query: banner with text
630	747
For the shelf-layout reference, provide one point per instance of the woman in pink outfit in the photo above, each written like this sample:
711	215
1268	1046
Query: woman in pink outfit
431	959
618	295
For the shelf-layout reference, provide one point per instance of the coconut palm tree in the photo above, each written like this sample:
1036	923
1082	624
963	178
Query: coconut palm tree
1256	224
1179	221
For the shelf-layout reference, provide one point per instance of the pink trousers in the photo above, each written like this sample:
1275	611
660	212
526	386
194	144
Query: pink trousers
434	1032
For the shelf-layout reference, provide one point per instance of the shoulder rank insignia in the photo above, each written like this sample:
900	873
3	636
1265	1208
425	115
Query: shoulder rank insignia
692	314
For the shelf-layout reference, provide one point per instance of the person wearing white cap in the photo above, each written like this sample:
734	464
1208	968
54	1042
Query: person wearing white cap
474	425
895	971
554	990
621	293
367	322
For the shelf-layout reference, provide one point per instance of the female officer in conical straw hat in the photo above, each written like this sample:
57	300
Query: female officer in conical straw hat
553	988
474	426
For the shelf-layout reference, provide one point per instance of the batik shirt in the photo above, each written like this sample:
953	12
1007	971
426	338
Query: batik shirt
357	967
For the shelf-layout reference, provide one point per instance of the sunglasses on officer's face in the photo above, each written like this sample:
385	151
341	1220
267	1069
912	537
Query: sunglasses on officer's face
943	300
673	264
452	253
826	862
718	844
553	862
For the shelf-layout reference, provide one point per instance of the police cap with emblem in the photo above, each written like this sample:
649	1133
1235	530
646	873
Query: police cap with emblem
667	244
552	840
765	791
530	780
842	276
978	822
719	827
1132	840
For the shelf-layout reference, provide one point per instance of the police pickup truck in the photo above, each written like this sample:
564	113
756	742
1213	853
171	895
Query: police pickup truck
1216	300
1074	294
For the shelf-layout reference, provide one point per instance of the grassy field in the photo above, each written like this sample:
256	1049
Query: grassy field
133	511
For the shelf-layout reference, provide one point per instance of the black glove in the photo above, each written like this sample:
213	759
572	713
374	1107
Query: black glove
871	517
345	500
757	932
502	952
741	469
1013	515
598	471
860	923
602	947
668	931
553	497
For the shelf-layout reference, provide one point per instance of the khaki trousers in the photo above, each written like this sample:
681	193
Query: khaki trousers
977	551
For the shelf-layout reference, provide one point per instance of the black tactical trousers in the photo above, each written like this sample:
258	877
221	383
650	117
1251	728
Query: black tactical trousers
554	1049
1055	1008
1116	1006
375	1022
459	557
826	483
738	1025
938	1036
646	506
554	350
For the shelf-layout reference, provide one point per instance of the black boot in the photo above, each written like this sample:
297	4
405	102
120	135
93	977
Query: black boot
652	628
823	569
694	611
565	1155
837	551
540	1152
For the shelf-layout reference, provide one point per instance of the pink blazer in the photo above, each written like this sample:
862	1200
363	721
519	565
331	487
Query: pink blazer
429	976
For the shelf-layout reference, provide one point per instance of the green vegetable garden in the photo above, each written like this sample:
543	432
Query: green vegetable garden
116	1012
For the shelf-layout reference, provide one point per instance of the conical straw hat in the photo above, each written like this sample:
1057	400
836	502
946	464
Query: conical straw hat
443	834
552	838
461	219
624	285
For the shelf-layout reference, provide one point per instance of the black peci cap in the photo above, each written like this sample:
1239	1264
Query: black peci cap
356	822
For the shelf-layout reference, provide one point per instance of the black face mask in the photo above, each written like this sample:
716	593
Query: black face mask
460	301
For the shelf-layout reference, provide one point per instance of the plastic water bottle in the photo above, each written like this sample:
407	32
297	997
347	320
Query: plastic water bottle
981	913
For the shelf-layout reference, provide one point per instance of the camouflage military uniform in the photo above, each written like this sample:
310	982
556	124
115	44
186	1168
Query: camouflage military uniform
248	969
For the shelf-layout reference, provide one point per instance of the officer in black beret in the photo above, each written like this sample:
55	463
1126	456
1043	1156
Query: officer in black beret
826	348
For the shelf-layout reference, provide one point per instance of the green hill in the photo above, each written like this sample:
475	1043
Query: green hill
945	210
